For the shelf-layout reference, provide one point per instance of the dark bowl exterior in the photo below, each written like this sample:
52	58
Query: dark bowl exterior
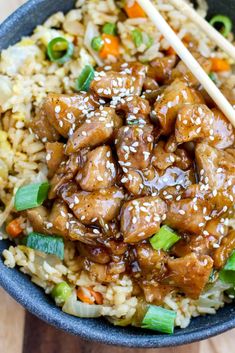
18	285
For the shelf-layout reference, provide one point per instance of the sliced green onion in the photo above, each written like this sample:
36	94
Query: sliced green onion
227	274
213	76
109	28
159	319
164	239
225	22
137	37
31	196
60	50
48	244
61	292
84	80
97	43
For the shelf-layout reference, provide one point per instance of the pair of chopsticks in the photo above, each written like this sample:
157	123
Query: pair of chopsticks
186	56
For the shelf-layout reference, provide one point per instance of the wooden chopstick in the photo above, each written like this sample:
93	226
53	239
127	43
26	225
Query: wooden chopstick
188	59
211	32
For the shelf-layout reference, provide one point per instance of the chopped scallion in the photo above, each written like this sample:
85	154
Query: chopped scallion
224	22
97	43
150	42
137	37
159	319
227	274
31	196
48	244
164	239
60	50
213	76
109	28
61	292
84	80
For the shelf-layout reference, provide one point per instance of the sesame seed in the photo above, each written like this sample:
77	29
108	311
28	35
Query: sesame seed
201	224
95	231
61	123
57	109
182	212
82	218
99	178
48	156
134	220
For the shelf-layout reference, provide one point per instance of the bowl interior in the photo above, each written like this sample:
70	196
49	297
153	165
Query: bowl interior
32	297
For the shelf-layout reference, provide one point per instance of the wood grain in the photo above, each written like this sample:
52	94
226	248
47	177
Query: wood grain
11	324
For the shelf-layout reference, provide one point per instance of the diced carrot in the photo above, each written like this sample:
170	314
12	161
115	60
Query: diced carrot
110	46
97	295
170	51
219	65
83	297
14	228
86	298
134	11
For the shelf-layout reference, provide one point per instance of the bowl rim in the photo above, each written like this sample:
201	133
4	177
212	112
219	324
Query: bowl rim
59	320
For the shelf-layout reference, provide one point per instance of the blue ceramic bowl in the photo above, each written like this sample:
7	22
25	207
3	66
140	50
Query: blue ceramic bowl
18	285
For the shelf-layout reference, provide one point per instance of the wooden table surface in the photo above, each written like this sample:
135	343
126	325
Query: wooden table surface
20	332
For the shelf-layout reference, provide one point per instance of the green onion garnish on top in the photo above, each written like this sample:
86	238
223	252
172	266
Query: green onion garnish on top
164	239
137	37
84	80
159	319
48	244
109	28
227	274
224	23
97	43
60	50
31	196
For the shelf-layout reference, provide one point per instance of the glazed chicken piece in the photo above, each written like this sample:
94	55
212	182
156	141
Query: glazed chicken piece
222	253
190	273
65	224
134	146
124	80
136	109
224	134
88	207
163	159
38	217
192	243
96	254
94	131
113	84
66	112
182	71
42	128
66	172
218	173
133	182
141	218
169	103
55	155
99	171
188	215
151	262
196	122
160	68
